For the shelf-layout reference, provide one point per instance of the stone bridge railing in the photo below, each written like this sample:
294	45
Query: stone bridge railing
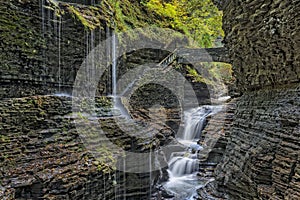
189	55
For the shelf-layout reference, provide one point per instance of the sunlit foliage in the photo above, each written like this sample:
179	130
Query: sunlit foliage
199	19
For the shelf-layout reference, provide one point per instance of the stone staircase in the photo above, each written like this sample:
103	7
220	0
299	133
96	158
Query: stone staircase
167	61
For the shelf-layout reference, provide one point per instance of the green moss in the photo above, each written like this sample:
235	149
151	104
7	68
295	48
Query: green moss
120	17
42	113
105	161
4	138
221	71
197	77
128	14
14	26
103	101
79	17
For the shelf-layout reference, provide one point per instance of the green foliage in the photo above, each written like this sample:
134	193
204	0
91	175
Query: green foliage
106	160
199	19
197	77
78	15
221	71
218	73
4	138
127	14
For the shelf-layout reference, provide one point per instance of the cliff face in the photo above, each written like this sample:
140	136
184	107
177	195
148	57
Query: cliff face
262	157
43	44
42	47
263	40
42	154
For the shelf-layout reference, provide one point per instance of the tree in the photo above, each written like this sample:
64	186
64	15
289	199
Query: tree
199	19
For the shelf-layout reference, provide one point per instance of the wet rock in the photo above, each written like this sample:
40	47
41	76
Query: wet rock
261	157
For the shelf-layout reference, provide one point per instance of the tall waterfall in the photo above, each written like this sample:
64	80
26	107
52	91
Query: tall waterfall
116	98
59	53
43	35
114	66
183	166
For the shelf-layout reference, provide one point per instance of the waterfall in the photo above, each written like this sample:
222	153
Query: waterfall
183	166
124	178
92	46
57	32
179	166
195	121
52	16
117	99
150	174
108	46
114	66
43	17
59	53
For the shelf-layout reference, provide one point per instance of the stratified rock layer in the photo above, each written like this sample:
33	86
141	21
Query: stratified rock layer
261	160
45	154
262	155
42	154
263	41
43	44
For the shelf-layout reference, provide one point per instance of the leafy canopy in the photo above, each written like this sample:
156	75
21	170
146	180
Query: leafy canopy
199	19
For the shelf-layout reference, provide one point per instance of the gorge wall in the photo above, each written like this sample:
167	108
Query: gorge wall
42	47
43	44
262	156
44	156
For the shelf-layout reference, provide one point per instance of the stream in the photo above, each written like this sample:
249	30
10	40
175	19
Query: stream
183	166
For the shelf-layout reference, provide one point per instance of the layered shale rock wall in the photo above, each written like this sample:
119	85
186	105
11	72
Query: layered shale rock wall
262	157
44	43
42	155
263	40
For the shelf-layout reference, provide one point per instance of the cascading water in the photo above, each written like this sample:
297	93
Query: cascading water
92	46
117	99
43	35
183	166
114	66
59	53
195	121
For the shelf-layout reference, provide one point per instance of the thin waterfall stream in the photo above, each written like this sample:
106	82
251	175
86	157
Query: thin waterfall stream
59	52
114	66
116	98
